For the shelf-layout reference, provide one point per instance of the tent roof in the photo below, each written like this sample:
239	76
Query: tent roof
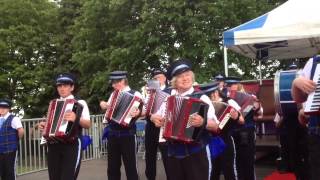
292	30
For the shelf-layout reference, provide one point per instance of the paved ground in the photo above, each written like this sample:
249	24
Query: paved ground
97	170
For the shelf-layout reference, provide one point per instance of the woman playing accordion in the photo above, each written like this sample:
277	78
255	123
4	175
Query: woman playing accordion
225	161
121	134
154	99
64	155
187	161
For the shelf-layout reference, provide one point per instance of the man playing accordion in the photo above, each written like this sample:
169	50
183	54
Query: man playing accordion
187	161
225	162
64	158
152	135
121	139
244	134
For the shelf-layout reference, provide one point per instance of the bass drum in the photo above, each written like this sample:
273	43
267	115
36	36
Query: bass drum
284	103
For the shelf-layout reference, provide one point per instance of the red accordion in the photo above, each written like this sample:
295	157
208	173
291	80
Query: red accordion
177	119
58	129
121	106
155	98
244	100
222	112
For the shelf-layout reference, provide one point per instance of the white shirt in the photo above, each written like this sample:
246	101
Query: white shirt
306	72
211	112
15	123
85	112
162	87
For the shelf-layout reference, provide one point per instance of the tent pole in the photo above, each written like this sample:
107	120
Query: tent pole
225	56
260	73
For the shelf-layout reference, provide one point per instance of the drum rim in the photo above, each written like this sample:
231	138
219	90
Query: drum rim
277	86
276	92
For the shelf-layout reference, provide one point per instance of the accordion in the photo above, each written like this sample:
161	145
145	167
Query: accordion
155	98
57	129
312	104
177	125
121	107
244	100
222	112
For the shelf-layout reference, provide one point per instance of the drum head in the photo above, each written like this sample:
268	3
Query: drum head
284	103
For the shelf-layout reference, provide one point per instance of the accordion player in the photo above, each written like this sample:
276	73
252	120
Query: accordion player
121	107
177	125
58	129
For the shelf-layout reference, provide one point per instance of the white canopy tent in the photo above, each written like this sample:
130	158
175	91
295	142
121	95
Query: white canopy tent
292	30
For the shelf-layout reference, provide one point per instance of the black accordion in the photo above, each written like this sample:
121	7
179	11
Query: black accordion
177	125
155	97
121	106
57	129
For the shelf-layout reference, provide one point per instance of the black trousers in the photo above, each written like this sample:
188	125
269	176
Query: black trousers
294	150
64	160
226	162
245	153
193	167
122	147
314	154
151	145
7	166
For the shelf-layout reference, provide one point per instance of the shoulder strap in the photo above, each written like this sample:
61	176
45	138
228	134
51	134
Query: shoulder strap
196	94
131	91
316	60
10	117
225	99
168	90
77	98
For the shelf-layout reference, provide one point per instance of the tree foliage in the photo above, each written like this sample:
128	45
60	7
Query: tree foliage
91	38
27	30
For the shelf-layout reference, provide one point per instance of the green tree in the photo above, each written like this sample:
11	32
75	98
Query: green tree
27	29
68	11
106	40
39	38
140	35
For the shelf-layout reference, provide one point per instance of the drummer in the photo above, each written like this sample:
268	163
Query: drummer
293	141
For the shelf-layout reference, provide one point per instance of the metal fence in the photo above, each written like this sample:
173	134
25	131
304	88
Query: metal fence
32	155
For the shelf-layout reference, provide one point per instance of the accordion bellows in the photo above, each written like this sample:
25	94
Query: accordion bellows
244	100
222	111
155	97
57	129
121	107
177	119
